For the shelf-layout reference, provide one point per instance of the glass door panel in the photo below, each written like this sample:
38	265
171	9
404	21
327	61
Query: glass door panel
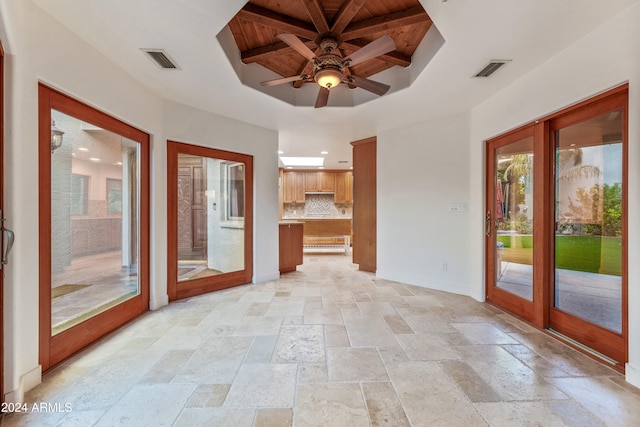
94	221
93	204
512	244
514	218
210	217
588	218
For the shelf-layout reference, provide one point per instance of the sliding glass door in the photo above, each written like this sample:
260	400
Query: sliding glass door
556	223
93	224
210	219
588	283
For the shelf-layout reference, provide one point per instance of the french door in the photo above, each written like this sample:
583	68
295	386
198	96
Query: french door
94	224
210	219
513	215
556	223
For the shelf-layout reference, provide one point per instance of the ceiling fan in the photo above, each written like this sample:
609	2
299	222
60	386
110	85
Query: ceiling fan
330	69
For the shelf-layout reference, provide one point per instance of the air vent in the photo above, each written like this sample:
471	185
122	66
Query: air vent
493	66
161	59
343	161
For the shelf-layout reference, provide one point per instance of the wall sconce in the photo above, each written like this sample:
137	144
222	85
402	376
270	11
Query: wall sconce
56	137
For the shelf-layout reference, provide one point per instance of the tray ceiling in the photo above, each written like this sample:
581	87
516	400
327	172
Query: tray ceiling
355	23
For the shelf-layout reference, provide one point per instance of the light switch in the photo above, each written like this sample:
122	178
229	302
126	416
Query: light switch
457	207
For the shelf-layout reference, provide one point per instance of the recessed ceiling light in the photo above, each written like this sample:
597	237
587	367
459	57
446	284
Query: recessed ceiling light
118	164
94	159
324	152
83	149
302	161
280	152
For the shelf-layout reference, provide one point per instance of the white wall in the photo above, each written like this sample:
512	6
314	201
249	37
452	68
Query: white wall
421	170
193	126
601	60
37	48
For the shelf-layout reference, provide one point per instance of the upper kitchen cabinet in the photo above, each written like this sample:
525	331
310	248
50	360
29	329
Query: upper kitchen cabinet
344	187
319	182
293	187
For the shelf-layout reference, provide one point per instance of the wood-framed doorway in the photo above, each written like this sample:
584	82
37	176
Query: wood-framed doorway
2	219
556	224
93	237
209	219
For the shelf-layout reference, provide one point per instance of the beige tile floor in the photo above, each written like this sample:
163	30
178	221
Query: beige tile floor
331	346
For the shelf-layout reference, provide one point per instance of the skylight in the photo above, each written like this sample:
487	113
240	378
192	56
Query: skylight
302	161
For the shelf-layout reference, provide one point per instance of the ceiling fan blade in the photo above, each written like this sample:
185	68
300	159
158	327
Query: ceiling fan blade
283	80
377	47
323	97
293	41
370	85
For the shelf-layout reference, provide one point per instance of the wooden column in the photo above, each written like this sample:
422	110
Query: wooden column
364	203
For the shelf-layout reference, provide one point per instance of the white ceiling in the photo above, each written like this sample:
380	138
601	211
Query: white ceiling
526	31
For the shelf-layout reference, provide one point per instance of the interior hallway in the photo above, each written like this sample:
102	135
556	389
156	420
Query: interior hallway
329	345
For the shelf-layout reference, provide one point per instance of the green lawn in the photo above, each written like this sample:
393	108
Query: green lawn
594	254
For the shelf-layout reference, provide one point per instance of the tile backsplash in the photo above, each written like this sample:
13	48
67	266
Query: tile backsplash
317	206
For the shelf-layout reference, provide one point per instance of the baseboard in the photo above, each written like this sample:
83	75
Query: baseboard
632	375
266	277
163	300
431	284
26	383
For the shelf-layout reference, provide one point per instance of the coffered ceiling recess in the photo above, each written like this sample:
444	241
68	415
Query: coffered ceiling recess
272	40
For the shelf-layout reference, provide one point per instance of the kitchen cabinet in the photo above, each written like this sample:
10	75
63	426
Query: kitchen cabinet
290	245
343	187
293	187
319	182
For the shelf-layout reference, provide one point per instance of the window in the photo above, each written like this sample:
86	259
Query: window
79	194
234	189
114	196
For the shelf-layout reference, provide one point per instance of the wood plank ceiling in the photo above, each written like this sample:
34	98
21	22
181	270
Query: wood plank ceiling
353	22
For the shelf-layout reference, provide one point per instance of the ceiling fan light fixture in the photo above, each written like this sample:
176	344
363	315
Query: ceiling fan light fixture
328	78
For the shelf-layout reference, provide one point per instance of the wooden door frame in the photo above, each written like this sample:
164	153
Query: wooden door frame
1	209
56	348
596	337
531	311
221	281
543	315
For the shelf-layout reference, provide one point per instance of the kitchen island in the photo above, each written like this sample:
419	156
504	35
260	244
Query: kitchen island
327	233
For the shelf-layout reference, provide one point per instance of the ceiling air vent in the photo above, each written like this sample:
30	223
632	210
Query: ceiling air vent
493	66
161	59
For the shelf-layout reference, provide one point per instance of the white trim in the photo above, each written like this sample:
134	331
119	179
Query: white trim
266	277
26	383
632	375
159	302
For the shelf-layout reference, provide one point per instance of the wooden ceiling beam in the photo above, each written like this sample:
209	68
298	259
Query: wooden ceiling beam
260	15
395	57
269	52
316	12
385	23
346	14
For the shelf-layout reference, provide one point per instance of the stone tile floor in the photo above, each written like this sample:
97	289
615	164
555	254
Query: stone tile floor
331	346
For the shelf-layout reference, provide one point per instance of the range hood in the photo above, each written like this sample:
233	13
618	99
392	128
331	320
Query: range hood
319	192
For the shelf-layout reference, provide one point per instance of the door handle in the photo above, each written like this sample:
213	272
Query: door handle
4	257
487	229
10	240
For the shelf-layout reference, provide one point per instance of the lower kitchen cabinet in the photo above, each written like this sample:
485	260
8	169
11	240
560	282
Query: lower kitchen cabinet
290	242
